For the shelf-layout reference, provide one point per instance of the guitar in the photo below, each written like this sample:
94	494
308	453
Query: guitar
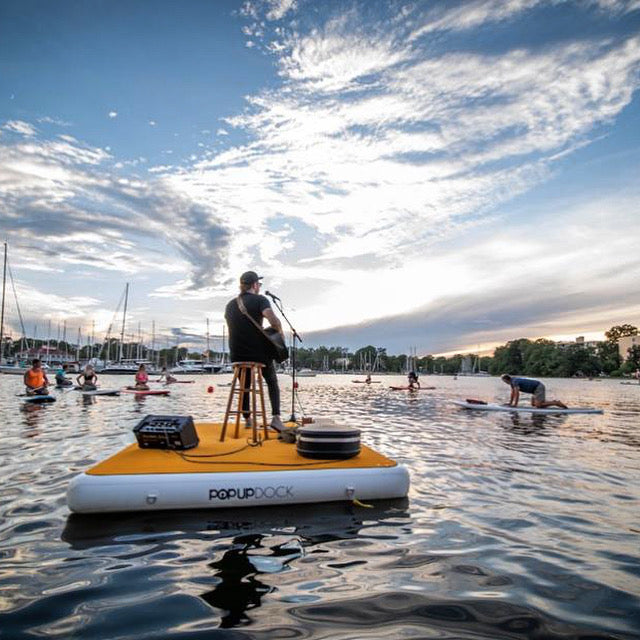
276	348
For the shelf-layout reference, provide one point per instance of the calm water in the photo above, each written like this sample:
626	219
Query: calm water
515	526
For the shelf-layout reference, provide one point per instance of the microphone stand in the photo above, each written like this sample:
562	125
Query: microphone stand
294	336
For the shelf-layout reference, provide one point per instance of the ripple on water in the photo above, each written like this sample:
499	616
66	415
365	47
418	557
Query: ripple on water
517	526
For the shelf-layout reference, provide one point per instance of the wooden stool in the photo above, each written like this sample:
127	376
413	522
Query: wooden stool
238	388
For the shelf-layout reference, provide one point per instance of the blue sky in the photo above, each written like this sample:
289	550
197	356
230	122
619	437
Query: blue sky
439	175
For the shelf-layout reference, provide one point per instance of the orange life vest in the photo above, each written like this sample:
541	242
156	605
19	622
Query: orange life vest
34	379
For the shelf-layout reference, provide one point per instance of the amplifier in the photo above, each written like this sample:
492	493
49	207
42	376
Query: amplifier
166	432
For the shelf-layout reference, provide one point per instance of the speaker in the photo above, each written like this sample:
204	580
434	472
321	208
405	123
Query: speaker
328	442
166	432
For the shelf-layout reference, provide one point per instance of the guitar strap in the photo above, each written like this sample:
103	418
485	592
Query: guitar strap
244	311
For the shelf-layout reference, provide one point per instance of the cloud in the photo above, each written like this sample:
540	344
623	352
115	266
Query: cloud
464	16
56	121
21	127
62	190
385	149
113	114
525	280
386	144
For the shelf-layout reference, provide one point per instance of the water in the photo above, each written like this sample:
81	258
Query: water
515	527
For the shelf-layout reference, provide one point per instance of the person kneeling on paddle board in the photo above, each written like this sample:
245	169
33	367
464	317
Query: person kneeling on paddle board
412	378
35	380
529	385
61	377
87	380
142	378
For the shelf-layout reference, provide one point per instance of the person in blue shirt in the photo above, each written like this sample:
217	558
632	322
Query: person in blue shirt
534	387
61	377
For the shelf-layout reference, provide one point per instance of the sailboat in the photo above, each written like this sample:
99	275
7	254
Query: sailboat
5	366
473	369
126	365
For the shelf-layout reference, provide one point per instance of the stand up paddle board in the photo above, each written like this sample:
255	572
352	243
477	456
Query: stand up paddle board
411	389
148	392
365	382
500	407
101	392
637	384
38	399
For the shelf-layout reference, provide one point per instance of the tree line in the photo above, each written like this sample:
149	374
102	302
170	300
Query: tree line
523	356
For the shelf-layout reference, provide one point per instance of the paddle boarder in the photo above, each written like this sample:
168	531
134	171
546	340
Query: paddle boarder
166	377
529	385
247	344
61	377
35	380
412	378
88	380
142	379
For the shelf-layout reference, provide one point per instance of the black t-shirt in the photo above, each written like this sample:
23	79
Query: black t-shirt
246	343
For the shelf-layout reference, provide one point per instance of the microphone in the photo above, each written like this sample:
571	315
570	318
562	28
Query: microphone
272	296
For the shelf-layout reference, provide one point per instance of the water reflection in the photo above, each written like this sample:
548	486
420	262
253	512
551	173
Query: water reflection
396	615
313	523
32	415
518	526
239	589
533	422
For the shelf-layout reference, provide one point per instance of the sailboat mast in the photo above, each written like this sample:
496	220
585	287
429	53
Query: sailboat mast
207	339
4	282
124	320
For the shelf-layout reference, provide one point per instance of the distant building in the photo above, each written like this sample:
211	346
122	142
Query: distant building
47	354
580	341
625	343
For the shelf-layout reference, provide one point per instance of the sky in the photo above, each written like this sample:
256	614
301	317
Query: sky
436	175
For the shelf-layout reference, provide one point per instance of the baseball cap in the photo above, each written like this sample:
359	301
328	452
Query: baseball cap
249	277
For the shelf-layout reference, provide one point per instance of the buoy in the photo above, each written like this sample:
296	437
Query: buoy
295	385
210	389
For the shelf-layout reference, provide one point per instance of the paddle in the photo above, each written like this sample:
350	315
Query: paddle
474	401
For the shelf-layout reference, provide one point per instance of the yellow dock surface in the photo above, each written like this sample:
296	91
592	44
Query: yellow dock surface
232	455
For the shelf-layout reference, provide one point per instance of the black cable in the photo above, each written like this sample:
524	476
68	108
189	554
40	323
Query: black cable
259	464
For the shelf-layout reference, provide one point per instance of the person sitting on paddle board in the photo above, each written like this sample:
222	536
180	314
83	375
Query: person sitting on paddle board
87	380
165	377
61	377
35	380
246	344
412	378
142	379
529	385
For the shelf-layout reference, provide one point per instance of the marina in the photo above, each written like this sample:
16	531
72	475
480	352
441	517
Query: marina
474	546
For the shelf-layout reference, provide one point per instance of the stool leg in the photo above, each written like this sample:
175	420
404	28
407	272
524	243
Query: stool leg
265	429
243	378
254	415
226	413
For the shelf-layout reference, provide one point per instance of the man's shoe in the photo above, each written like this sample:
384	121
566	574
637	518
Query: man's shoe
277	424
